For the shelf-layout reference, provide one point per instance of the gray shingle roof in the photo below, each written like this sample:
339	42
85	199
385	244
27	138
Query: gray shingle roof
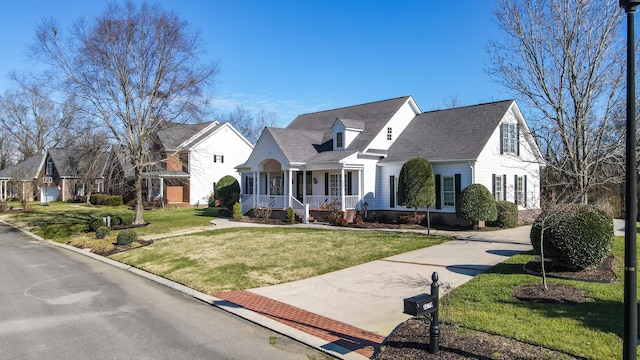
175	134
352	124
26	170
452	134
309	136
65	161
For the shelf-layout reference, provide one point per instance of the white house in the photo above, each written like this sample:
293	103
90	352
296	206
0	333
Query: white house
353	156
193	157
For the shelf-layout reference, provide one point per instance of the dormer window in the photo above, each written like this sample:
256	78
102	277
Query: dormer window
339	139
389	134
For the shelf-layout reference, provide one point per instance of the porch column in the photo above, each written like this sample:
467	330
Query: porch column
289	186
342	184
161	181
148	190
268	183
360	188
256	183
304	187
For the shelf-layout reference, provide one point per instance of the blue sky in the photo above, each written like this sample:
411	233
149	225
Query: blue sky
295	57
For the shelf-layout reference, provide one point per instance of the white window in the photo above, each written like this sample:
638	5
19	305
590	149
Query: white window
497	189
218	158
520	190
448	191
248	185
339	140
389	134
49	169
509	139
334	184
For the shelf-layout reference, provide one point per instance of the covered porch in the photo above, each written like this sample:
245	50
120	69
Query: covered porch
303	189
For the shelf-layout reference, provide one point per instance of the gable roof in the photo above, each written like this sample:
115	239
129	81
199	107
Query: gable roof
26	170
351	124
67	162
309	136
174	135
452	134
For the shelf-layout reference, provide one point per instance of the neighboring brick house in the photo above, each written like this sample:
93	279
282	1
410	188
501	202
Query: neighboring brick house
21	181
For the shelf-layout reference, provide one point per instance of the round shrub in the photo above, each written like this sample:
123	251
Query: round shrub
227	191
576	236
507	215
102	232
126	237
476	204
95	224
116	220
290	216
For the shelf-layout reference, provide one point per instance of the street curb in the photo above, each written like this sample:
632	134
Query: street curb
266	322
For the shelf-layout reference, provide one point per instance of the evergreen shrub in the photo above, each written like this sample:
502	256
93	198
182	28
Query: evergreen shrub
476	204
126	237
507	215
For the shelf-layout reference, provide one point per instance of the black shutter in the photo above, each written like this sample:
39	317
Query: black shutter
392	191
326	183
501	139
524	197
349	184
493	185
246	184
458	187
438	192
504	187
222	158
518	139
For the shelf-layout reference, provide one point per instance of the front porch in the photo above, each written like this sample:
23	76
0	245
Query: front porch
302	190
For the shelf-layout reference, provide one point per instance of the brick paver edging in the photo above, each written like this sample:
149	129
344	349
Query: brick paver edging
349	337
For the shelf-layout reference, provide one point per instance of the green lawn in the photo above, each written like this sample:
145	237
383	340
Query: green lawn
592	330
243	258
65	222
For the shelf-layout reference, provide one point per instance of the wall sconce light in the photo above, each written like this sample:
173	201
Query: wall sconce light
315	180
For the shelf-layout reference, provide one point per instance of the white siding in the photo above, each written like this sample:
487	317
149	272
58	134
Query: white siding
492	162
398	123
204	172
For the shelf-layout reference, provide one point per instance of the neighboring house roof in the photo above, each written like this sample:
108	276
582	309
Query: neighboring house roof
26	170
452	134
65	161
174	135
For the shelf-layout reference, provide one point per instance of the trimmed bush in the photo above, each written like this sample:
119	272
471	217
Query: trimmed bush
476	204
237	211
126	237
576	236
95	224
507	215
290	216
116	220
104	199
102	232
227	191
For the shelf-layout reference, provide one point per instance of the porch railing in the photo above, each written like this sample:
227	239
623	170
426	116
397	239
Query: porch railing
321	202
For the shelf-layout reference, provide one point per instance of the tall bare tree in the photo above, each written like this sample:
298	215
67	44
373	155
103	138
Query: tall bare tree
247	124
136	68
565	59
32	121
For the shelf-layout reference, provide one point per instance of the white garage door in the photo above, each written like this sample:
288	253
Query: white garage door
48	193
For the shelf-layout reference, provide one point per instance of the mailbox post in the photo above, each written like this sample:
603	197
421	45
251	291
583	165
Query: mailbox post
427	304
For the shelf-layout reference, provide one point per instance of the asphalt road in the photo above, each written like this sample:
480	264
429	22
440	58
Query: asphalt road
56	304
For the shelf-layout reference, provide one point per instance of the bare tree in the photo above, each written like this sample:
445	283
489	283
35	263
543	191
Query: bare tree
249	126
566	61
32	121
136	68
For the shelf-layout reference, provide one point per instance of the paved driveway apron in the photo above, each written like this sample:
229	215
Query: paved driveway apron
57	304
369	296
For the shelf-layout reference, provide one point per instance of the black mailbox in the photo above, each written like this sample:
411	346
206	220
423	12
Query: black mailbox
420	304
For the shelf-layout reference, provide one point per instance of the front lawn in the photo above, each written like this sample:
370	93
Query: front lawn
592	329
64	222
243	258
